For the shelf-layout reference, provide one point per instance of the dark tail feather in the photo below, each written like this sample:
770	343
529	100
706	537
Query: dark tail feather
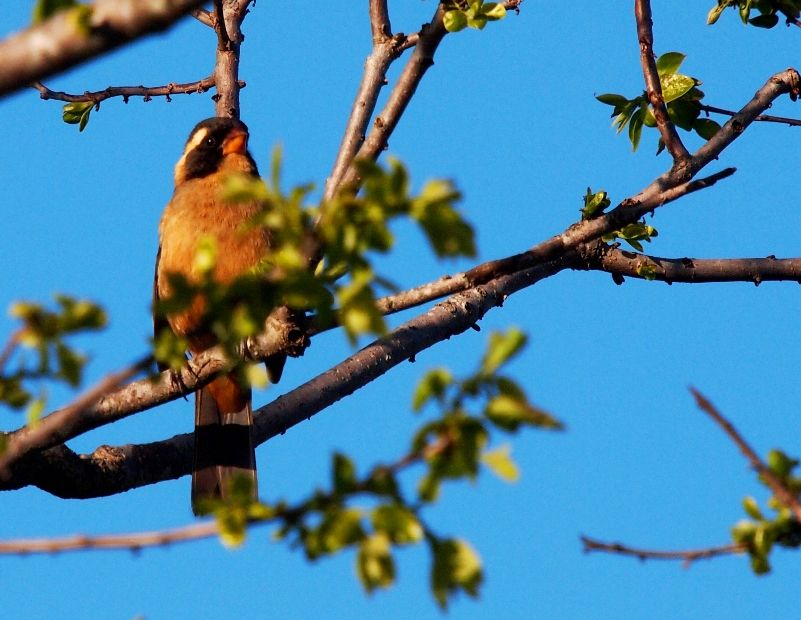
224	448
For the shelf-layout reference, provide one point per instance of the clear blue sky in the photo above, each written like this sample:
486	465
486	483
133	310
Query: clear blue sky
509	113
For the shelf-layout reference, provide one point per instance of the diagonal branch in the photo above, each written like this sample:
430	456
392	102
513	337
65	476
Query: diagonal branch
653	85
421	60
782	493
61	42
111	470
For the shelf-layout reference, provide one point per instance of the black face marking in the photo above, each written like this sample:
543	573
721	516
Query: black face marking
203	150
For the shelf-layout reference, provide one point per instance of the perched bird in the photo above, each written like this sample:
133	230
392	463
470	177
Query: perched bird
216	148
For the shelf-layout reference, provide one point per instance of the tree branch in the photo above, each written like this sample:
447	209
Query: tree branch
384	124
60	42
793	122
386	49
687	556
204	17
227	24
126	92
653	85
111	470
782	493
602	257
627	212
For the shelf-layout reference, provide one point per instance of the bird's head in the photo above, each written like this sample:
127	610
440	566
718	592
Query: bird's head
210	144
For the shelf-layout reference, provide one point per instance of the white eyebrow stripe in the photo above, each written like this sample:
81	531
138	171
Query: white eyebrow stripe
193	142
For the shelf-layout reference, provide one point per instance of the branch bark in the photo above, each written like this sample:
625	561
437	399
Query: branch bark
126	92
653	85
602	257
60	42
782	493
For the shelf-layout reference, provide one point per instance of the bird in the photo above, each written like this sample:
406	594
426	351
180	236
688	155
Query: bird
216	148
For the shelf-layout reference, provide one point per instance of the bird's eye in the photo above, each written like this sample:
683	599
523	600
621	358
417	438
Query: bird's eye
211	141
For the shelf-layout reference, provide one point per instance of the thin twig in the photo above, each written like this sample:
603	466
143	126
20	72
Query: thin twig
781	492
687	556
204	17
765	118
653	85
126	92
56	44
132	542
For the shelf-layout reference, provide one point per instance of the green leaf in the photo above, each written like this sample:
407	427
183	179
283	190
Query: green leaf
509	413
764	21
635	131
77	113
502	347
432	385
781	464
594	204
448	233
715	12
706	128
493	11
669	63
398	522
501	464
752	508
647	271
456	566
612	99
374	563
43	9
454	21
674	85
344	473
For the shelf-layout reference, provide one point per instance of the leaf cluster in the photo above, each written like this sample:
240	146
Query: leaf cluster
682	99
40	352
371	514
760	533
769	11
461	14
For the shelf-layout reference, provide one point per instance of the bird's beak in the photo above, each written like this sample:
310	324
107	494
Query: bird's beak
235	142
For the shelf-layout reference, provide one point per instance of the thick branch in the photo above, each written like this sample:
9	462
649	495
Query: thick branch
602	257
653	85
112	470
226	67
126	92
60	42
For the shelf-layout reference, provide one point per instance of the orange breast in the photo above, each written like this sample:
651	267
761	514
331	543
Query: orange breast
194	213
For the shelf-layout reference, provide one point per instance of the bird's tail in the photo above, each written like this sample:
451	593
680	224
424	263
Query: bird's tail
225	459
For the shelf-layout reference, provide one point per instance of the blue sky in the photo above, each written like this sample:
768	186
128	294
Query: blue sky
509	114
